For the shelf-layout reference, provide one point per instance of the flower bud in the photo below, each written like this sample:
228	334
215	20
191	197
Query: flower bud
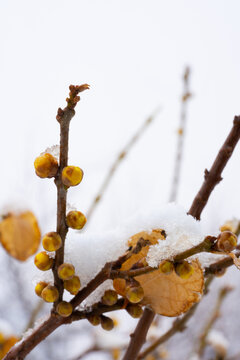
52	241
50	294
109	298
46	166
226	241
166	267
76	220
72	285
94	319
106	323
134	310
64	308
43	261
66	271
184	270
72	175
39	287
134	293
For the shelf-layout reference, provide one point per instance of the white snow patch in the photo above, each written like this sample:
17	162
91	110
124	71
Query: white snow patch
218	341
183	232
90	252
54	150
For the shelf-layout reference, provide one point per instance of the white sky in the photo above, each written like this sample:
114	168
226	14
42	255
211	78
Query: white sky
132	53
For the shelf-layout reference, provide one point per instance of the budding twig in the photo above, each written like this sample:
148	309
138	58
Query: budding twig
64	117
212	178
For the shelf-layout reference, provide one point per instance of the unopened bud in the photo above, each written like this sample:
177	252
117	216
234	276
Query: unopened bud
134	293
39	287
184	270
52	241
226	241
134	310
72	175
50	294
106	323
46	166
72	285
64	308
76	220
109	298
43	261
66	271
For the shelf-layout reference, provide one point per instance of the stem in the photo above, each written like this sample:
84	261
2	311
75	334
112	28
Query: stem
62	228
138	338
213	177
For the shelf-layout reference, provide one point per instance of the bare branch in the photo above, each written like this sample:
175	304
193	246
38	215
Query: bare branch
215	315
181	135
122	155
213	177
138	338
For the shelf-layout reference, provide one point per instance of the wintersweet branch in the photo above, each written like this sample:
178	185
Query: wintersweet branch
212	178
64	117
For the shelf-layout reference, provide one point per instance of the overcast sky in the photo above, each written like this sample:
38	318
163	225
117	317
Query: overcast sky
133	54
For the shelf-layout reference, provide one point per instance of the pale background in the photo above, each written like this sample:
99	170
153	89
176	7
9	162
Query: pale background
133	54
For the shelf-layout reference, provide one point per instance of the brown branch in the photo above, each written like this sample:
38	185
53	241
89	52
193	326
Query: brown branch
98	309
181	134
138	338
20	350
122	155
220	265
212	178
205	246
64	117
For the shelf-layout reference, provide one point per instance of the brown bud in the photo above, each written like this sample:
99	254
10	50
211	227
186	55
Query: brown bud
226	241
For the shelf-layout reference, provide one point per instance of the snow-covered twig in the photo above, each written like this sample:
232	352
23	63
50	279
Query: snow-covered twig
212	178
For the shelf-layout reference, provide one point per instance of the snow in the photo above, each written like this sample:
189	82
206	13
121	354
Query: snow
183	232
89	252
218	341
54	150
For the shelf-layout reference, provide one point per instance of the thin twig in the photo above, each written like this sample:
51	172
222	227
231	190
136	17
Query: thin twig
215	315
181	135
34	314
122	155
212	178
